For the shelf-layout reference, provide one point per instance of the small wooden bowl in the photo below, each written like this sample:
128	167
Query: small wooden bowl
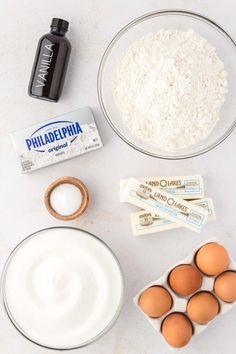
76	182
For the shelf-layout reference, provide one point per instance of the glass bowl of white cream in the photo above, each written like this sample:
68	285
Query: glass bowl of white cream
62	288
129	64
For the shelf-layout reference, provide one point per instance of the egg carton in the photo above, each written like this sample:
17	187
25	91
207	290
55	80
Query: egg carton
180	302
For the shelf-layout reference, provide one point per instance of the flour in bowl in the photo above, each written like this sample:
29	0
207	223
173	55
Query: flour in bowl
169	87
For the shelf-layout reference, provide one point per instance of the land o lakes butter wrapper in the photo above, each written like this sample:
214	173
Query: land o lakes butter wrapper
184	187
145	222
164	204
57	139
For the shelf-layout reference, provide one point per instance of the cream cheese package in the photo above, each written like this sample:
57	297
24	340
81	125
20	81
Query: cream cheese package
144	222
57	139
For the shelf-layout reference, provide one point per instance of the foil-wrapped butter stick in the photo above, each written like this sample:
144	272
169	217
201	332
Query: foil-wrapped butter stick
164	204
145	222
184	187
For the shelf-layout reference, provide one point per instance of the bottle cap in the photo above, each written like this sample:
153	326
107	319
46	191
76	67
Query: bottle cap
60	23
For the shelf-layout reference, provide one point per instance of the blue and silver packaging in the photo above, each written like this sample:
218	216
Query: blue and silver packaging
57	139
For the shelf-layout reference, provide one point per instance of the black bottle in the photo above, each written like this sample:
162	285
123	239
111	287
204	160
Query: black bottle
50	63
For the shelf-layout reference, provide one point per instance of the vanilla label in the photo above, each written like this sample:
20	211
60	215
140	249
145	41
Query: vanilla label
45	65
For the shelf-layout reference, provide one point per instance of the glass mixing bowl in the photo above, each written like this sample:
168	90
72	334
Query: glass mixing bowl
7	269
179	20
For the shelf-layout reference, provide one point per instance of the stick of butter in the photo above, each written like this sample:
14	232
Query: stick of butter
144	222
184	187
168	206
57	139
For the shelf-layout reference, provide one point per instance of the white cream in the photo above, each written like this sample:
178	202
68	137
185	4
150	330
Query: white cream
62	287
66	199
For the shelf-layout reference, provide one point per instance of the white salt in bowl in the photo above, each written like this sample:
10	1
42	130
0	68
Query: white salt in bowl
169	20
66	198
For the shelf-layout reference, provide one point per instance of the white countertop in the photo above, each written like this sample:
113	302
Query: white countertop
93	23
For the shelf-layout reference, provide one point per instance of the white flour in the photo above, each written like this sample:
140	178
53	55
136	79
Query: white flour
169	87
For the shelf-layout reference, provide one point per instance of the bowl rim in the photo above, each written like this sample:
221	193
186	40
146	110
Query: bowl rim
21	330
123	30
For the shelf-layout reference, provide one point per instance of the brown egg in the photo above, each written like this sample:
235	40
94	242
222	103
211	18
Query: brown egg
202	307
177	329
155	301
225	286
212	258
185	279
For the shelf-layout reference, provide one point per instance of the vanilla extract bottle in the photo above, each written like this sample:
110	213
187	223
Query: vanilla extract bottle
50	63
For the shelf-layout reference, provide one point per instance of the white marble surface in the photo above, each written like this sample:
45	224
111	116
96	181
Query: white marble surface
93	24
